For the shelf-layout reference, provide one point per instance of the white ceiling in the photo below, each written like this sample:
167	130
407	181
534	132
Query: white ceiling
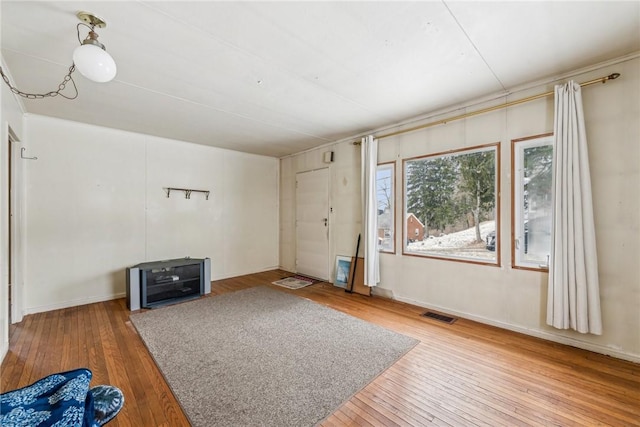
276	78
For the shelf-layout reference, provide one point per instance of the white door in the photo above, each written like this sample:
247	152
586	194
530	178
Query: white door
312	223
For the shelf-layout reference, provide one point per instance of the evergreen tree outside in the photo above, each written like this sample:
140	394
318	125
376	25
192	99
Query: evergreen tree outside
431	186
533	215
538	167
453	191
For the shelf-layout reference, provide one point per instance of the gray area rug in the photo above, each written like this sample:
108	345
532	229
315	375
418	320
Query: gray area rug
260	357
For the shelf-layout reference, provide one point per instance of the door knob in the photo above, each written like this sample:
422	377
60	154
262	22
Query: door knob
326	221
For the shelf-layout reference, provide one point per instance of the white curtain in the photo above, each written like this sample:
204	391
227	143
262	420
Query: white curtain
369	156
574	294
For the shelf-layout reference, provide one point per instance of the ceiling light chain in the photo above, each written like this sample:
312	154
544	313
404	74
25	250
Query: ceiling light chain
61	87
91	58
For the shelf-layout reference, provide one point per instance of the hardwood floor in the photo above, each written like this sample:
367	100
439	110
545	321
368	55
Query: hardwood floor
464	374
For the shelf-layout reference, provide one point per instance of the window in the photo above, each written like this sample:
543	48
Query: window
386	211
451	205
532	204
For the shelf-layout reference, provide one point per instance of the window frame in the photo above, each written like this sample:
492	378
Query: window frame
517	198
392	166
495	147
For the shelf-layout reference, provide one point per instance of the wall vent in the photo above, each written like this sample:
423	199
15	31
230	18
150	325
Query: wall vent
439	317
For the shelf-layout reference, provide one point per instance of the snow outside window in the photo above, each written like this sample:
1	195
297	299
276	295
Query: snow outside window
453	198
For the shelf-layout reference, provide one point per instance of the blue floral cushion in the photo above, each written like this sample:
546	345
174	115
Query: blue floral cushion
57	400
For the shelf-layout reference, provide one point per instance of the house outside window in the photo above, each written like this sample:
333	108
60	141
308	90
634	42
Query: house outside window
386	208
532	160
451	203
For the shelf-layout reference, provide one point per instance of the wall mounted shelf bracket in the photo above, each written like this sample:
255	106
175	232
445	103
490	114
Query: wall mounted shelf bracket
187	192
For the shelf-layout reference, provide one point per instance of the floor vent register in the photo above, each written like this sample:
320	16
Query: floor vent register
439	317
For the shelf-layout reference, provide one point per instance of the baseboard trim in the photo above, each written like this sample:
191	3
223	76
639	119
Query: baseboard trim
73	303
230	275
526	331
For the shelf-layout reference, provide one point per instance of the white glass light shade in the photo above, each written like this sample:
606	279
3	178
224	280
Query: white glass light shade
94	63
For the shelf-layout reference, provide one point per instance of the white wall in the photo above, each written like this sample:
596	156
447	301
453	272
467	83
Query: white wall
96	204
10	118
502	296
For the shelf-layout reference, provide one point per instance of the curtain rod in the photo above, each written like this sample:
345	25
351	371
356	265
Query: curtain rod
489	109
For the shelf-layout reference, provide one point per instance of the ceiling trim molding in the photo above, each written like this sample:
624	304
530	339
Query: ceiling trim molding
416	121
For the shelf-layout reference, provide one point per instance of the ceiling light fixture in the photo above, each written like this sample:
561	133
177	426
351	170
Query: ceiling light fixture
90	58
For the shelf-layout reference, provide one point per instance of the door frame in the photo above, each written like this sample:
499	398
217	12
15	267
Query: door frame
15	229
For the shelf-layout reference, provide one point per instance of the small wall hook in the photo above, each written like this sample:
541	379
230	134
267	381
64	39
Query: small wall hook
22	156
